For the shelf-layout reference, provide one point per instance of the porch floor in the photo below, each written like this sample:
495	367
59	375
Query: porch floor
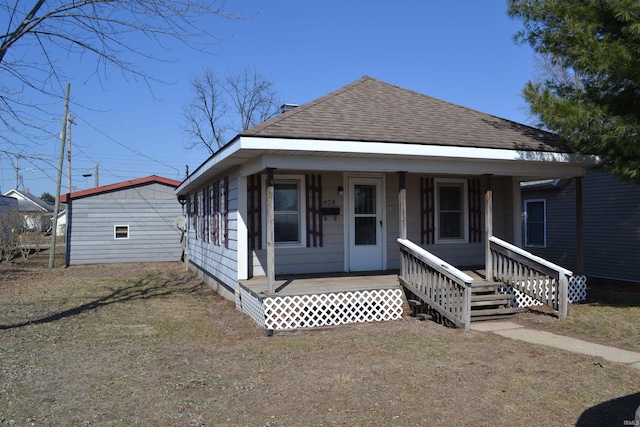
323	283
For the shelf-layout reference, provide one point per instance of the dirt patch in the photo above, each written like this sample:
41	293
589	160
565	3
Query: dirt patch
148	344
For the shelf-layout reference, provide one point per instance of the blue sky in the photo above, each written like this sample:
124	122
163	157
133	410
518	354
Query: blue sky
459	51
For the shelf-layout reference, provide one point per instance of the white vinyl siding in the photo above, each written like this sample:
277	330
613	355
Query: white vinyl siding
96	226
296	259
214	262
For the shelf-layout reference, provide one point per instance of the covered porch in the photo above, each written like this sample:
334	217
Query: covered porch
510	278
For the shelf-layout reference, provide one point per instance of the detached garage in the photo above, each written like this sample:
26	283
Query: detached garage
130	221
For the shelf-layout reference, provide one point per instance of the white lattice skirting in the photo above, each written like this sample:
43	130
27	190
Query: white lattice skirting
308	311
577	292
250	304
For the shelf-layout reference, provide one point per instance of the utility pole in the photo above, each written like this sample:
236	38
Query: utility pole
95	174
17	168
56	207
69	123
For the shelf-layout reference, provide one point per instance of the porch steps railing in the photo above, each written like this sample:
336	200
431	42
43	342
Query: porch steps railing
531	275
437	289
440	286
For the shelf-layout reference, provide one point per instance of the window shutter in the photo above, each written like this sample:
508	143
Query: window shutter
202	205
216	213
189	208
427	211
314	211
475	211
205	214
195	215
254	211
226	212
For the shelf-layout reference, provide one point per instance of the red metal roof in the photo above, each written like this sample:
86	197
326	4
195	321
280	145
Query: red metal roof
64	198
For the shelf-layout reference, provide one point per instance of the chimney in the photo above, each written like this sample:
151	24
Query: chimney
287	107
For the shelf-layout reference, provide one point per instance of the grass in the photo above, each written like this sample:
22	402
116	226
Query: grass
149	345
609	316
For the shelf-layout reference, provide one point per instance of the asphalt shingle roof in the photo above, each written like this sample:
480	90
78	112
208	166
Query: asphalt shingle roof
374	111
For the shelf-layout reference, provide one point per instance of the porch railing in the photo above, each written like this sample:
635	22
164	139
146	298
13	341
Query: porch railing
442	286
538	278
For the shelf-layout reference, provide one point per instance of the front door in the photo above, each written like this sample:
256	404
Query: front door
366	225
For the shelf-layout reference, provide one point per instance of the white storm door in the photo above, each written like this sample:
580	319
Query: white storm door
365	229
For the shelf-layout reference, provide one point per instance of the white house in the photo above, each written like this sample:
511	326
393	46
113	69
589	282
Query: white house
356	185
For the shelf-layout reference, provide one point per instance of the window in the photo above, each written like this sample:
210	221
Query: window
535	223
288	210
120	231
451	211
218	213
286	206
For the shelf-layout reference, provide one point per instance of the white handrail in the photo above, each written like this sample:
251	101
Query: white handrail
435	262
443	287
530	256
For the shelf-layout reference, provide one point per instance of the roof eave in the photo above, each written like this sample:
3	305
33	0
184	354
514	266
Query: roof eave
240	148
64	198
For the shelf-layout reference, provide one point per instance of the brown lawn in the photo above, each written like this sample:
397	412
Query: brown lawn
131	344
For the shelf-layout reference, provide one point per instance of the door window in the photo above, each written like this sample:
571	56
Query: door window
365	215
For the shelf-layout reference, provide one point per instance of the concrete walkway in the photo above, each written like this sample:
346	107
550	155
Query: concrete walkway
518	332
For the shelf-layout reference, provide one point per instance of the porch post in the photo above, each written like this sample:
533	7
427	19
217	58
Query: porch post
579	241
271	254
402	203
488	226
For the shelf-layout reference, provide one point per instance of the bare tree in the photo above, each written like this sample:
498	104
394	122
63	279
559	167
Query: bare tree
40	35
551	71
11	227
218	107
205	114
253	96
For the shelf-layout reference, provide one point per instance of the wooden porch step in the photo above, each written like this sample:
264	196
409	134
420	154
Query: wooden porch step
489	300
490	297
493	317
484	314
488	304
483	287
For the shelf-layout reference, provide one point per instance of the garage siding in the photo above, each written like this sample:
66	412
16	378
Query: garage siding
149	211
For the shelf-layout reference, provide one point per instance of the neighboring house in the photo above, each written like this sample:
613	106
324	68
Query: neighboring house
36	212
61	223
130	221
329	187
8	203
610	225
